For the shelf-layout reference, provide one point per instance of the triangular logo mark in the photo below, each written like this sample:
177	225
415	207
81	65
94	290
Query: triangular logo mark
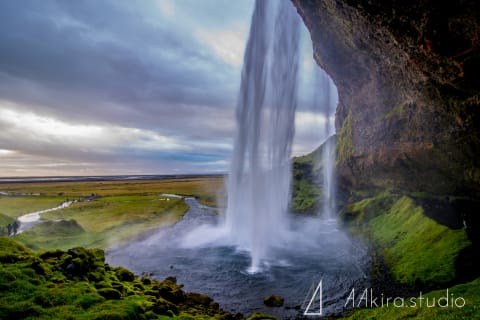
314	306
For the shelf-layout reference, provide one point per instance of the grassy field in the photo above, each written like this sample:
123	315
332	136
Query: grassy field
204	189
123	209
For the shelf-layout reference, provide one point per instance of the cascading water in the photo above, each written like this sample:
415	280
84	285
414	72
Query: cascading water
327	106
259	180
201	250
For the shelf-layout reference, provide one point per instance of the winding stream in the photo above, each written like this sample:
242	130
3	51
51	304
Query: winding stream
27	221
321	251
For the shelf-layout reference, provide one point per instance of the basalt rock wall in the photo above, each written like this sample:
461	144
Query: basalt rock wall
407	74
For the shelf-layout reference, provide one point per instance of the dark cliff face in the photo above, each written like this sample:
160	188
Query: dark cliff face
408	75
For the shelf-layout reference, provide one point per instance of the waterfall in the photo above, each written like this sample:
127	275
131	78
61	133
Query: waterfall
259	179
327	106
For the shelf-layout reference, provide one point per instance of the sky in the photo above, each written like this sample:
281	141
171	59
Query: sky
116	87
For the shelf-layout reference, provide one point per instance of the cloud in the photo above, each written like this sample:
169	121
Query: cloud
120	86
68	55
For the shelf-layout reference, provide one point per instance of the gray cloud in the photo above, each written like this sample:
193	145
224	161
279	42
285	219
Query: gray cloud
84	54
150	66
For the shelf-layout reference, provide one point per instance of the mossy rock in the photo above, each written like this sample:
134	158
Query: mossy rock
102	285
169	290
153	293
109	293
273	301
198	299
261	316
77	284
124	274
163	307
40	267
146	280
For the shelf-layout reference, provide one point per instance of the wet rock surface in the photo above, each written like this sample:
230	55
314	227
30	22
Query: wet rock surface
406	75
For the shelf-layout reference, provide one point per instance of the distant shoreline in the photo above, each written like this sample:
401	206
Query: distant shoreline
104	178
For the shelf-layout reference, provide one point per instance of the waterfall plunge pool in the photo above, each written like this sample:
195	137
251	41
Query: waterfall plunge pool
315	250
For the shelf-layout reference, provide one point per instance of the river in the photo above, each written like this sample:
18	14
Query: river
27	221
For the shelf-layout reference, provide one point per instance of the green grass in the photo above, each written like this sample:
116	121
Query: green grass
305	196
77	284
345	147
16	206
123	210
204	188
418	252
367	208
5	220
306	183
468	291
417	249
104	221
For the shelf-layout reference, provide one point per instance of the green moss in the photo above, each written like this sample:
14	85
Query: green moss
305	196
261	316
307	184
345	140
76	284
305	191
357	213
417	249
397	110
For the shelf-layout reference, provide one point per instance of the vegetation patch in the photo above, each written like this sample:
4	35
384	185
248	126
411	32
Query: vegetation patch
109	211
345	140
205	189
14	206
397	110
307	182
103	221
77	284
418	250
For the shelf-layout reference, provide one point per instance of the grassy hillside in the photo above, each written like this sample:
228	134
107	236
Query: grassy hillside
419	253
418	250
306	182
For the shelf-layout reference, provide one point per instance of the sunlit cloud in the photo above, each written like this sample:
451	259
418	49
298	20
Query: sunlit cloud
309	131
121	87
48	130
5	152
228	45
167	7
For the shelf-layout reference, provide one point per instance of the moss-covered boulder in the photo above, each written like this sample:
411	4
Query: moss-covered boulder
273	301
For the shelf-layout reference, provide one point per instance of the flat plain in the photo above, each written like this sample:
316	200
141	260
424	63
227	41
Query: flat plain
110	211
